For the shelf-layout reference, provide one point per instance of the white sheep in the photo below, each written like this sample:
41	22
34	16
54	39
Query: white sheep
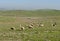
30	26
12	28
41	25
22	28
54	24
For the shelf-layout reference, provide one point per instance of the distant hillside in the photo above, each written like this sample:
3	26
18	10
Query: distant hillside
42	12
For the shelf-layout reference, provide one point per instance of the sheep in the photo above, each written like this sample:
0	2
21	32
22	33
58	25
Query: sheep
12	28
41	25
30	26
54	24
21	27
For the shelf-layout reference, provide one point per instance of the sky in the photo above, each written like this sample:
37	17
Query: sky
30	4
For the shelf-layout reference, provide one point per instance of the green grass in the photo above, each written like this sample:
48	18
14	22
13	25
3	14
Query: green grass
14	18
27	13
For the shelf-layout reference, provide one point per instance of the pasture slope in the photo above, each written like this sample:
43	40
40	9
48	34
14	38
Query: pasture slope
13	18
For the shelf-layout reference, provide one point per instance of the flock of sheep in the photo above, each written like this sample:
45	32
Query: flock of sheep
31	26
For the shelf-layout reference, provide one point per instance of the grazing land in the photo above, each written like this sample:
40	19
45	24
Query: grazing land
13	18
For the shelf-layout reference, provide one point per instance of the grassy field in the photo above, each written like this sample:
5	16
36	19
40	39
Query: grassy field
13	18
